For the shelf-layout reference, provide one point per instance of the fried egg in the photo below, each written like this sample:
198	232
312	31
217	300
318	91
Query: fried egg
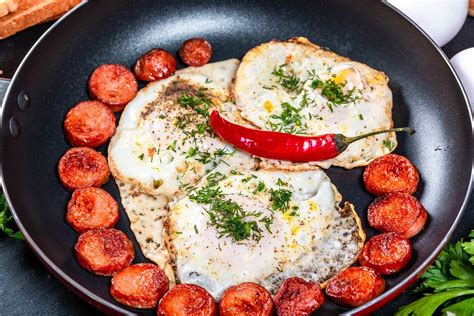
297	87
162	142
297	228
153	152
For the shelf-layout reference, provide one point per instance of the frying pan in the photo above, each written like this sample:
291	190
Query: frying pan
52	78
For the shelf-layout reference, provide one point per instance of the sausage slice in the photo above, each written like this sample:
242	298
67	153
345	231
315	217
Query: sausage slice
195	52
155	65
386	253
89	124
355	286
91	208
187	299
113	85
397	212
298	297
246	299
104	251
82	167
391	173
140	285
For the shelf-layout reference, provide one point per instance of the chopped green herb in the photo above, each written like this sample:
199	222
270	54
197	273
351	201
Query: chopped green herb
248	178
228	218
193	151
181	122
179	233
141	156
260	187
215	177
287	79
280	182
208	80
235	172
294	211
361	117
333	92
199	103
280	199
196	230
288	121
201	128
304	100
162	116
172	146
389	144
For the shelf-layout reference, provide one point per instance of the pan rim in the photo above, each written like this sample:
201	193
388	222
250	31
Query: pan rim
107	306
64	278
387	296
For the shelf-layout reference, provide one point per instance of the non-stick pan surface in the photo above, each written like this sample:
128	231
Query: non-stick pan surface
426	94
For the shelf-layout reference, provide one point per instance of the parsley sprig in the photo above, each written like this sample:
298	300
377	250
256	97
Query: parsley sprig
448	283
6	219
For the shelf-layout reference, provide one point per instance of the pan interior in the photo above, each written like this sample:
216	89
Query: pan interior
425	93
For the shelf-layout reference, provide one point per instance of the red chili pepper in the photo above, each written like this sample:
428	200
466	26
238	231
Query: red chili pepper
282	146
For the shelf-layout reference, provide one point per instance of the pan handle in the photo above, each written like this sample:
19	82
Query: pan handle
4	83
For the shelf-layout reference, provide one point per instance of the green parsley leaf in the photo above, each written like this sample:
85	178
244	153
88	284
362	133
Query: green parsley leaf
447	283
463	308
6	218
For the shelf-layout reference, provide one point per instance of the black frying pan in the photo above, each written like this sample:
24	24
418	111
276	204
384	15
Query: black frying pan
427	96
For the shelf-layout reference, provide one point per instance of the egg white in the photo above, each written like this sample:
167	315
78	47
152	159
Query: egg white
259	96
151	152
314	243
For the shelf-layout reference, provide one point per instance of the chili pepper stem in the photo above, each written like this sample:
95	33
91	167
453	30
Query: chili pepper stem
349	140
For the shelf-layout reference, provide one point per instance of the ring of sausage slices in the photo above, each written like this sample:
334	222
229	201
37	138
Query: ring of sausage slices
104	250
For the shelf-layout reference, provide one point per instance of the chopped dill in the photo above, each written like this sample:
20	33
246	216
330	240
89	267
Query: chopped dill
260	187
333	92
172	146
287	79
227	216
199	103
280	199
288	121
